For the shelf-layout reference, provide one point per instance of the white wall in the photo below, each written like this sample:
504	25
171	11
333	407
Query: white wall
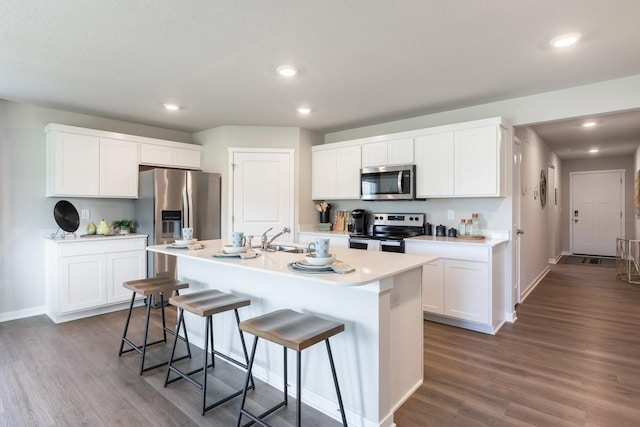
217	141
25	213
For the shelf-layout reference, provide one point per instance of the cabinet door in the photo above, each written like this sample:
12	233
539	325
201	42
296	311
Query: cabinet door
348	173
185	158
151	154
374	154
476	162
433	287
122	267
118	168
400	152
76	165
323	174
434	165
466	290
82	282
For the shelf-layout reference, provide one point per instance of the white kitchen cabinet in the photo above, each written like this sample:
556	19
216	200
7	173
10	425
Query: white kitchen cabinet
433	287
84	276
461	163
466	286
387	153
171	156
335	173
89	166
466	290
434	165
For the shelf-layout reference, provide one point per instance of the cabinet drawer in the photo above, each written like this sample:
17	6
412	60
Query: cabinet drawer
461	251
102	246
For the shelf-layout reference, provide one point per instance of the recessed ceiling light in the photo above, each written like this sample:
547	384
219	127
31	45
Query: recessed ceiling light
303	110
588	124
565	40
594	150
287	70
171	107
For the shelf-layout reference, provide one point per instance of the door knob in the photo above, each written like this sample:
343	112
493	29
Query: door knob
519	231
575	220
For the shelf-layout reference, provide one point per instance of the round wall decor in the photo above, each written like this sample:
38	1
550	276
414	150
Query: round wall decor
543	188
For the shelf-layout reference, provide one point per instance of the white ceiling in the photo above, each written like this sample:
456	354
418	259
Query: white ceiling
362	61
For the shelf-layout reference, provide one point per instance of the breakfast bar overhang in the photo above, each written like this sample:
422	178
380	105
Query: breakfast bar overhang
378	358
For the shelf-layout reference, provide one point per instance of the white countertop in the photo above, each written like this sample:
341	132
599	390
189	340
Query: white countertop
370	266
457	241
96	237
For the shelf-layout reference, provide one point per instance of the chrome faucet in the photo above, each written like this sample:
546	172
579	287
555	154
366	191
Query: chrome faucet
265	243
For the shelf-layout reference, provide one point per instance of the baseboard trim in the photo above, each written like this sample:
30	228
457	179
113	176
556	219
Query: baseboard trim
21	314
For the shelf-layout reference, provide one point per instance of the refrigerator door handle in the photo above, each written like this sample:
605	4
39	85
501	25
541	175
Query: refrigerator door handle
186	220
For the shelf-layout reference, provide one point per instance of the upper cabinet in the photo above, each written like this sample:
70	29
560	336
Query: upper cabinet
89	166
176	157
387	153
92	163
335	172
461	163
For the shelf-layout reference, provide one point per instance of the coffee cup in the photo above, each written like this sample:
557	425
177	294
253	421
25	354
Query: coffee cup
187	233
320	247
238	239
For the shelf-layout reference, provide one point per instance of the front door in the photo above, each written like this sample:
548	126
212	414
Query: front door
597	214
263	192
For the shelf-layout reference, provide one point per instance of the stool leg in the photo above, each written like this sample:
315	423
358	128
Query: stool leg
164	323
146	334
204	367
246	380
175	341
244	347
126	325
335	382
286	395
298	387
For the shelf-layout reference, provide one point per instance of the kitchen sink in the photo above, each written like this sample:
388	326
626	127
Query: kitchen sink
286	248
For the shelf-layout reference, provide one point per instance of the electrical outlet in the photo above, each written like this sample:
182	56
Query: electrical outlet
450	214
86	214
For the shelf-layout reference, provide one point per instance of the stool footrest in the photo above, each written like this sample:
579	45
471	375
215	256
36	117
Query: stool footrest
258	419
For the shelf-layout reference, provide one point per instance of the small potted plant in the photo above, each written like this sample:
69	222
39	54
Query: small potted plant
124	225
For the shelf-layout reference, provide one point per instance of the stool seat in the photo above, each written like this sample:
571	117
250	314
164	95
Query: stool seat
146	287
291	329
208	303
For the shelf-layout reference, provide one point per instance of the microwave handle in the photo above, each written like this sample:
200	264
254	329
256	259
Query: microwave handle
400	183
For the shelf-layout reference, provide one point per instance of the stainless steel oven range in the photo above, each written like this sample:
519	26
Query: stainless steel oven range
388	232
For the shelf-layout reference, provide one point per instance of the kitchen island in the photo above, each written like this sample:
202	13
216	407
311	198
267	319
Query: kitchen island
379	357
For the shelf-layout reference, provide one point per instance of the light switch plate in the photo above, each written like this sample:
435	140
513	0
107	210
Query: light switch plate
86	213
450	214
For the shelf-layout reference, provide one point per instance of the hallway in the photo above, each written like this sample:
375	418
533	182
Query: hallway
571	359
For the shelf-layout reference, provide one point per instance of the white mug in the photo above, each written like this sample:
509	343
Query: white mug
320	247
187	233
238	239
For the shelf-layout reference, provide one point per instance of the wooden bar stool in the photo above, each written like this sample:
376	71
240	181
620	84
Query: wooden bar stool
146	288
205	304
296	331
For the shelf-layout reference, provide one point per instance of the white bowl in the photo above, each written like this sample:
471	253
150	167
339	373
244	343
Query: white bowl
312	259
230	249
185	242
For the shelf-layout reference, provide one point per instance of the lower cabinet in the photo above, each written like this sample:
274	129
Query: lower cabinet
465	287
84	278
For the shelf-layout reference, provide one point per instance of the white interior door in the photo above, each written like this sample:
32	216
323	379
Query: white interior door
262	192
597	211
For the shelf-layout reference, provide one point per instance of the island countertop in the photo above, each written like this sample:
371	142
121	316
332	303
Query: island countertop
369	266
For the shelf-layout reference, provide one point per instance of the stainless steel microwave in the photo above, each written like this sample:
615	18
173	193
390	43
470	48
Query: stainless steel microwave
388	182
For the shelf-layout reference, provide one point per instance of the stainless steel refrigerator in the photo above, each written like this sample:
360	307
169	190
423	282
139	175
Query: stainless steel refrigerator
170	199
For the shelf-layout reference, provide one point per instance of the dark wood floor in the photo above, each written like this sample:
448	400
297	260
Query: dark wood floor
572	359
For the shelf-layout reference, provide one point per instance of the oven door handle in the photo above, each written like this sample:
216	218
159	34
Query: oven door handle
356	240
391	243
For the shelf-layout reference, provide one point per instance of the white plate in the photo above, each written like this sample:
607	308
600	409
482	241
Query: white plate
230	249
311	259
185	242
